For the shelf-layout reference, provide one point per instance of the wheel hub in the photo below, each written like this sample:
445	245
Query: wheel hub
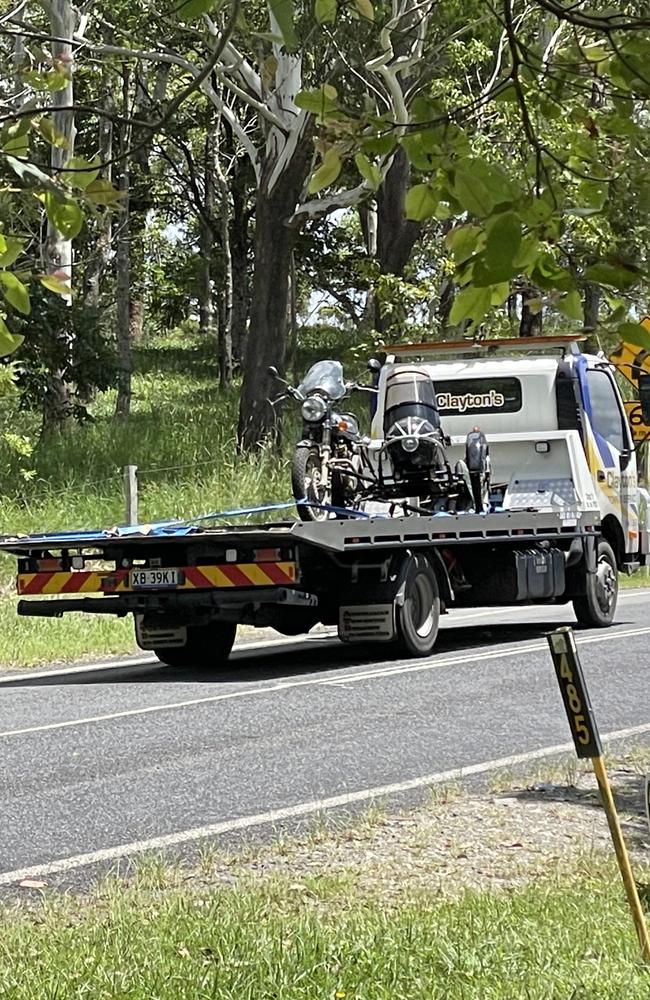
605	585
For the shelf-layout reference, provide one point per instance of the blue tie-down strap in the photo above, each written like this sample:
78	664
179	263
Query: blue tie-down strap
190	525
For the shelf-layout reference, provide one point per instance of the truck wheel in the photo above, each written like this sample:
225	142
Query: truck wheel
418	617
206	646
598	606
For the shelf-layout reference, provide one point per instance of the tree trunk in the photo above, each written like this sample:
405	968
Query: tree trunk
123	267
100	258
266	343
396	235
239	252
269	304
205	291
206	235
591	306
530	324
225	328
57	406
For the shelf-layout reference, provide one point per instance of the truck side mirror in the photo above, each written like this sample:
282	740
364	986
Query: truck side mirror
644	397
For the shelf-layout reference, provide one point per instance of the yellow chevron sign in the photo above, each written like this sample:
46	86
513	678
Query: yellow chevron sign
640	430
629	358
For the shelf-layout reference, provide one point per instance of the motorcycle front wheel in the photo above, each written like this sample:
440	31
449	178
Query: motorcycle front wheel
306	482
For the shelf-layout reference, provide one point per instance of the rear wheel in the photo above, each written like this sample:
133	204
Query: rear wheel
418	617
205	646
598	606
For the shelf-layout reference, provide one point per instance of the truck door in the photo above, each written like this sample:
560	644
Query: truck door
610	452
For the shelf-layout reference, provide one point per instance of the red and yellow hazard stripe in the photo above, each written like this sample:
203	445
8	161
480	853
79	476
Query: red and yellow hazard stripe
267	574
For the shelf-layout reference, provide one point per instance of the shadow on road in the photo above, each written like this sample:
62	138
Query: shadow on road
307	656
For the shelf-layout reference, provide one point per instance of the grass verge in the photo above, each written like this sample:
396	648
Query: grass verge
469	897
313	939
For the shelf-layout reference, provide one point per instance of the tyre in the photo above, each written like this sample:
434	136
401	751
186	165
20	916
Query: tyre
306	482
206	646
598	606
418	617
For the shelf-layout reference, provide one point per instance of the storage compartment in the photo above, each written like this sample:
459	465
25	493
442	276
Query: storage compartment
535	574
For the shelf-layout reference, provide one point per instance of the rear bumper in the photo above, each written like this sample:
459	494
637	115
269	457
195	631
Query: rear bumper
167	602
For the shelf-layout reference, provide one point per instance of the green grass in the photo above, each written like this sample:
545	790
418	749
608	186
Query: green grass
28	642
554	940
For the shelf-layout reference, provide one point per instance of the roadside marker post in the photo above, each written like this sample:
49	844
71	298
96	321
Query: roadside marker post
586	738
131	494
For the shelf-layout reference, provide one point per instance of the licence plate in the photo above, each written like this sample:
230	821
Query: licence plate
156	579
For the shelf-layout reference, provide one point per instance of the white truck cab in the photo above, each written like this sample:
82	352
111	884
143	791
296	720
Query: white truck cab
556	428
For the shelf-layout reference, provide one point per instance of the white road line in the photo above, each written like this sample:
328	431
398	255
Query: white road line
274	816
403	668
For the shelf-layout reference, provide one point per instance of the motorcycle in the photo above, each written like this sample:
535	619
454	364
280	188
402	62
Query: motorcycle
323	464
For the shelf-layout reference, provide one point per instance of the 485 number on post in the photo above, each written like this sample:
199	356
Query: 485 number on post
574	693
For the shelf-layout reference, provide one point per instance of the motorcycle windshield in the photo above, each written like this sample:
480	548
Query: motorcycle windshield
326	376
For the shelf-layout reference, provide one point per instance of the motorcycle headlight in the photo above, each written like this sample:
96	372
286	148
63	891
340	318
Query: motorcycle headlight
314	409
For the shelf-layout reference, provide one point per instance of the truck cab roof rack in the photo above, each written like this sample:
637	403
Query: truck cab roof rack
534	345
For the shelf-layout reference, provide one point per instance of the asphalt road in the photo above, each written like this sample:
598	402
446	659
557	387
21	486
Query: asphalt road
101	762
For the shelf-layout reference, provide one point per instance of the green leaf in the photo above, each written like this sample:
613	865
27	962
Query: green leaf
325	11
15	142
538	210
102	192
528	252
368	171
365	9
549	275
570	305
10	249
635	334
80	173
499	293
423	149
191	9
497	262
282	13
474	196
64	214
471	303
420	203
15	292
379	145
322	102
462	242
479	186
55	138
54	284
613	273
328	171
8	341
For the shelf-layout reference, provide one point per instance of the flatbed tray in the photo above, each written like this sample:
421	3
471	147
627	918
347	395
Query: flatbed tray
337	535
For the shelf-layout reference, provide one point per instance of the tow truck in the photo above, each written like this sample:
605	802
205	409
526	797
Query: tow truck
566	515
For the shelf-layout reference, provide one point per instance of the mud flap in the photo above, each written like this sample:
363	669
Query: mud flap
151	637
367	623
